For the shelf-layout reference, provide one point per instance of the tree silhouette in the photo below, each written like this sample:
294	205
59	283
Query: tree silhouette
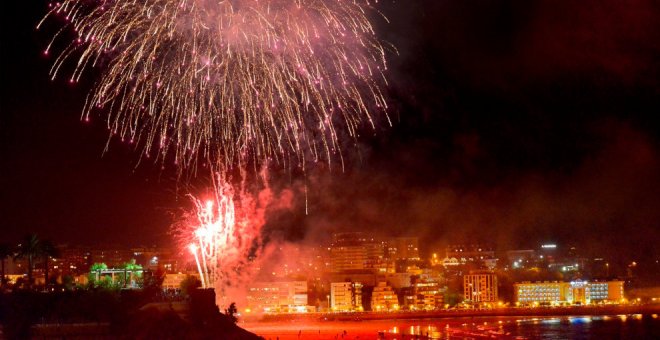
48	250
5	252
30	249
189	284
232	311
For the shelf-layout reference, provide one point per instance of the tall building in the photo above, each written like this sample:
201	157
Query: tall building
346	296
355	251
403	248
480	288
274	297
348	257
568	293
375	252
384	299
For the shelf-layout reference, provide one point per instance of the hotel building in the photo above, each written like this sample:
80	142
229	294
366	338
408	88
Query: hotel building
568	293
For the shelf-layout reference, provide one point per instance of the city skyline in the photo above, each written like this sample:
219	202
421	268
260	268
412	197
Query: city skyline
361	253
556	143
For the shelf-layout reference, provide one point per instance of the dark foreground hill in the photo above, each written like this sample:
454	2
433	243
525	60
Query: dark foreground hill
103	314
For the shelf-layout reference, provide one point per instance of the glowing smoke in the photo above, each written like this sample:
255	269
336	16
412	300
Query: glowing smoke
223	234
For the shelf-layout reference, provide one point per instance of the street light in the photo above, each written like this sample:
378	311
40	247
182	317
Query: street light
607	269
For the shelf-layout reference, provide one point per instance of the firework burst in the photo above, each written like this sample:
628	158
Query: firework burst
218	237
228	81
213	235
222	232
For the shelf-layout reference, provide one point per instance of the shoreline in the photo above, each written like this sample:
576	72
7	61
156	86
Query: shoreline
450	325
440	314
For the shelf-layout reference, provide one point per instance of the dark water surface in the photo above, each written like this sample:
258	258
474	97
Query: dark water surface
635	326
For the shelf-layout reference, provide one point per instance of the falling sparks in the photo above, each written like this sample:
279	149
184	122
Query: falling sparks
222	232
228	82
220	235
213	236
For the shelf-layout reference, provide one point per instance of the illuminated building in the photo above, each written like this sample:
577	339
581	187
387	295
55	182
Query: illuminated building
383	298
348	257
385	266
368	278
605	291
346	296
113	257
480	288
414	270
321	260
16	266
375	253
431	275
153	258
403	248
425	295
568	293
298	261
354	251
73	260
396	280
274	297
173	281
490	263
469	254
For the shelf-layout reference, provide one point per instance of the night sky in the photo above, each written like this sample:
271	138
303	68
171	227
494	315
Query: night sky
515	122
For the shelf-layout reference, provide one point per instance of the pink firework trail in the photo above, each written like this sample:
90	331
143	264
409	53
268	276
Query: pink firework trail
223	233
214	235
